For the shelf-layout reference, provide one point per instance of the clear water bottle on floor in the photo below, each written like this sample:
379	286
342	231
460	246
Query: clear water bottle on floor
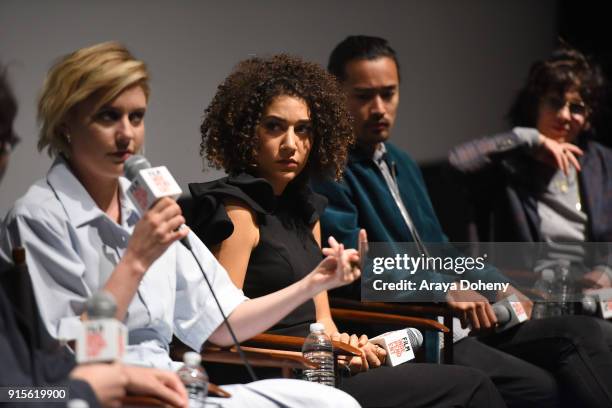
194	379
544	287
318	349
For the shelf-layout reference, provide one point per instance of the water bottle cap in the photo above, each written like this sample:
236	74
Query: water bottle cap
548	275
564	262
589	304
192	358
77	403
317	327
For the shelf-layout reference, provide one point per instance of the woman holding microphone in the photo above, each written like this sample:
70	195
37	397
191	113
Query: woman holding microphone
82	234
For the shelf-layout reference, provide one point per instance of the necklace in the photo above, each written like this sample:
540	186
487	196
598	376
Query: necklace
563	184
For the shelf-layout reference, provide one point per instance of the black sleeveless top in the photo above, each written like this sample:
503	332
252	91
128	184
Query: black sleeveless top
287	250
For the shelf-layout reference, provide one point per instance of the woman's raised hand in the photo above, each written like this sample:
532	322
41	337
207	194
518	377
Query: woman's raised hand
158	228
559	154
340	267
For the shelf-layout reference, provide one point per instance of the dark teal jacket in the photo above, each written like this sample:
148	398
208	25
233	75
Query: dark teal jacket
363	200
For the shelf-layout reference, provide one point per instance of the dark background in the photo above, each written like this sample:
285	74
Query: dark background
584	25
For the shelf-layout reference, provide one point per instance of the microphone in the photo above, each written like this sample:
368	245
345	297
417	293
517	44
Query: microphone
509	313
149	184
103	338
597	302
502	313
400	345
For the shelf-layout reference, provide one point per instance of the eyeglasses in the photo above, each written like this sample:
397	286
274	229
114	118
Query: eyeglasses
576	108
8	143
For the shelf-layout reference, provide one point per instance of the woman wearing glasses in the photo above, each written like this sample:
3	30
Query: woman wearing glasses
545	180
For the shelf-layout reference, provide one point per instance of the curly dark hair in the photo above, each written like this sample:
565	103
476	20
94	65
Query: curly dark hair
566	69
229	137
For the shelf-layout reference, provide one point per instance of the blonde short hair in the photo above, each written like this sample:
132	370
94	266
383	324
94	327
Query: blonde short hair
105	69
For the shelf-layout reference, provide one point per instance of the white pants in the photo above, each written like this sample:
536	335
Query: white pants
282	392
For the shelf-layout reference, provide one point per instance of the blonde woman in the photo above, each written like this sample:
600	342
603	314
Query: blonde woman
81	234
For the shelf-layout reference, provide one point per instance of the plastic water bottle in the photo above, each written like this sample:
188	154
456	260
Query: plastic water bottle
194	379
564	288
318	349
544	286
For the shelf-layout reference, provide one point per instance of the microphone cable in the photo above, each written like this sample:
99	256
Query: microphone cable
249	369
132	168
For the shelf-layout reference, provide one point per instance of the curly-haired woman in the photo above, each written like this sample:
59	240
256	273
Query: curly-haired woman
273	124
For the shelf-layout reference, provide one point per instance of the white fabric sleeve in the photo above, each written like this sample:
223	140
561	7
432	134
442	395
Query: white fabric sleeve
197	315
284	392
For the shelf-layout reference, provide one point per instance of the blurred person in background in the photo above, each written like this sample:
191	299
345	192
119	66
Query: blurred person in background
545	179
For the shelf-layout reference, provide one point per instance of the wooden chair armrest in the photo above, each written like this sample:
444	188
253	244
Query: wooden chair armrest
295	343
264	350
277	341
217	391
376	317
257	357
407	310
133	401
141	401
410	309
343	349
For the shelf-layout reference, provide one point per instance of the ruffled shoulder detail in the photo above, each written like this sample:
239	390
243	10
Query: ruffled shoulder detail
313	204
208	218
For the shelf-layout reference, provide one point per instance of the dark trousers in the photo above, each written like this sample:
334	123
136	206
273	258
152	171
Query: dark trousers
422	385
606	329
521	384
575	349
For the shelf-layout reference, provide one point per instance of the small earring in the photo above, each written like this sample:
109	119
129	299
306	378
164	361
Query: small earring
68	138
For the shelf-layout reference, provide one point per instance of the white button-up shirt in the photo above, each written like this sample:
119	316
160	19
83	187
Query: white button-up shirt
72	247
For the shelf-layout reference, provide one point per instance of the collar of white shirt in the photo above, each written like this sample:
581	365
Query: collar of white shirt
80	208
